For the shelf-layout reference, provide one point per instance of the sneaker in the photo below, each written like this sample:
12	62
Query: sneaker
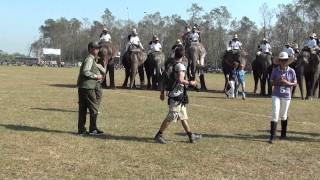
96	132
159	139
194	137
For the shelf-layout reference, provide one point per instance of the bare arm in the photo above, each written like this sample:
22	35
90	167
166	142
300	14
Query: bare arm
181	79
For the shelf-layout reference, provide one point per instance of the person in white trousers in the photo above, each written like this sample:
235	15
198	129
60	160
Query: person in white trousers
283	78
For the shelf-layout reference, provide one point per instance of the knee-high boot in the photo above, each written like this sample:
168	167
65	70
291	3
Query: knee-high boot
284	124
273	131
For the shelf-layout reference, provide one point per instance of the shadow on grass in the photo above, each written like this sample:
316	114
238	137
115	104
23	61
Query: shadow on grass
33	129
298	138
103	136
122	138
53	109
261	138
64	85
209	97
248	94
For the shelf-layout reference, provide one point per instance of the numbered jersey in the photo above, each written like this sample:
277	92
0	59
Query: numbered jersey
283	91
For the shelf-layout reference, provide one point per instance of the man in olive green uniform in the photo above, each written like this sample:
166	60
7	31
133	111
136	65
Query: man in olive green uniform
88	80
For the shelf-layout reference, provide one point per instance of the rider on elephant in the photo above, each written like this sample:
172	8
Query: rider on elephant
134	41
155	45
312	43
194	36
265	49
235	46
265	46
177	44
295	47
105	36
194	39
288	49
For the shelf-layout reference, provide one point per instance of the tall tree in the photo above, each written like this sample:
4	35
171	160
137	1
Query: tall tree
267	14
108	19
195	13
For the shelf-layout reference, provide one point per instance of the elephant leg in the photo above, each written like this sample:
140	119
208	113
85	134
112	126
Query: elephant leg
315	84
157	75
319	88
147	67
104	82
269	86
111	75
225	82
134	69
154	80
148	80
193	71
188	72
127	74
300	83
202	82
256	81
263	81
308	86
141	76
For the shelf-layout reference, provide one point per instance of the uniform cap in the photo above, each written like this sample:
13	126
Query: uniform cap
95	45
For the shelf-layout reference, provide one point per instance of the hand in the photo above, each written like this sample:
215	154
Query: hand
192	83
162	96
99	77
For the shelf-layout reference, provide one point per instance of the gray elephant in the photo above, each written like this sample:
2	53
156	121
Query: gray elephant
154	66
311	71
133	61
229	57
262	68
106	55
195	54
298	67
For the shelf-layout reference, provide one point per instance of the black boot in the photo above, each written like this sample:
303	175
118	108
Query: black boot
273	131
202	83
284	124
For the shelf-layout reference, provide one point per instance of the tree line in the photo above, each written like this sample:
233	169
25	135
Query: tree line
288	23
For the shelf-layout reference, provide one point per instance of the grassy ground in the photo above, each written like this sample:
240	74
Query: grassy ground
38	122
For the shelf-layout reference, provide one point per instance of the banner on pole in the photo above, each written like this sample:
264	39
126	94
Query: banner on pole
50	51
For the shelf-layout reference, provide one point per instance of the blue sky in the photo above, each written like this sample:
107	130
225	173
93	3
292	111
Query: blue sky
21	19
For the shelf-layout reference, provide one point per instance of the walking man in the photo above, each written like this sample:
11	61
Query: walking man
177	99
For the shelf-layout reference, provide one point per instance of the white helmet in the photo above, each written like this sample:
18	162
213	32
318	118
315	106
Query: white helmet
283	55
235	36
313	35
105	29
134	31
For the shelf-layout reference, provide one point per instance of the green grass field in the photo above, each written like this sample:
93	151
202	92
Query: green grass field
38	125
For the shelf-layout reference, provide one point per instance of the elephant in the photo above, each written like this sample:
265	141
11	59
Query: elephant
298	67
154	66
262	68
311	70
106	55
133	61
227	63
195	54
